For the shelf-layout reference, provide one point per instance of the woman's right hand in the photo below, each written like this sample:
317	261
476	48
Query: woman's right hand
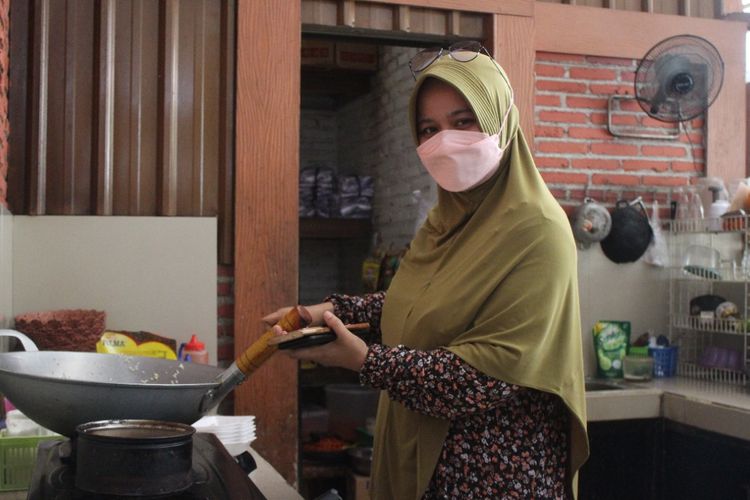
316	311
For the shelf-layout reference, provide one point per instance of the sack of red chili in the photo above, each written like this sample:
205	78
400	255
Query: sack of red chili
63	330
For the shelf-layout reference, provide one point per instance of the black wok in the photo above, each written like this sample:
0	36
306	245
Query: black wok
60	390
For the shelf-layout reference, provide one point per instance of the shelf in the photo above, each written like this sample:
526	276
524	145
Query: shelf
334	228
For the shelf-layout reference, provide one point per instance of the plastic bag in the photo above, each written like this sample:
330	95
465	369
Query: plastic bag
657	253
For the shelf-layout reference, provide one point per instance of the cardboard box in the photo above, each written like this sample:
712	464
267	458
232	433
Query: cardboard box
317	53
358	487
357	56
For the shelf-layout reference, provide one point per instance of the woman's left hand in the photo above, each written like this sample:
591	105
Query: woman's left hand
347	351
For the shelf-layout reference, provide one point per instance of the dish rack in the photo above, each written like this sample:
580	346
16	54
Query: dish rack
710	257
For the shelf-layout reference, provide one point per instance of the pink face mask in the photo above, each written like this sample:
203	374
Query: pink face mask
459	160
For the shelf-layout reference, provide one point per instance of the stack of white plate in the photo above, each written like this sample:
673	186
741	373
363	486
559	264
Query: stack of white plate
235	432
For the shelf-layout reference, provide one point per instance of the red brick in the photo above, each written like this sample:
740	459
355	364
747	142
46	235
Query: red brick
656	166
225	352
699	153
551	162
694	139
647	121
612	61
226	271
598	118
547	131
615	179
561	86
687	166
224	290
594	163
555	57
592	74
629	105
586	102
650	180
562	147
547	100
563	178
589	133
609	89
697	123
562	116
226	310
663	151
614	149
549	70
627	76
625	120
558	193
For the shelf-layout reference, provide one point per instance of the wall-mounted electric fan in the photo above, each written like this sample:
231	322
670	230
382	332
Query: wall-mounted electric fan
676	81
679	78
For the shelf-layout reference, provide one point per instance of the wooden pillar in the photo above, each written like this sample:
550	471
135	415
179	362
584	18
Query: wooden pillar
266	224
513	46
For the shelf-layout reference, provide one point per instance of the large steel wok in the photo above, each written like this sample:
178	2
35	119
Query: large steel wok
61	390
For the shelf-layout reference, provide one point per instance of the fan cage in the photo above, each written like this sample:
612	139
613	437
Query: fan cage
676	57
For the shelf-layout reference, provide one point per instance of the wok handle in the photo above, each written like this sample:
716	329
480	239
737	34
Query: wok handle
260	350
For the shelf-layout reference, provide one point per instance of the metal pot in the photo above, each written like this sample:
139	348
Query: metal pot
62	390
591	223
127	457
631	232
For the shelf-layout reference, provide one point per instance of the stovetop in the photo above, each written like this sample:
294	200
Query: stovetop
216	475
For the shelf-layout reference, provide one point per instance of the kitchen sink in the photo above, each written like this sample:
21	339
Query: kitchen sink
601	385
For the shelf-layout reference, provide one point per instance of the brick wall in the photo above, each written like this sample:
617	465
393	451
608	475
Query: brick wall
574	149
377	129
4	125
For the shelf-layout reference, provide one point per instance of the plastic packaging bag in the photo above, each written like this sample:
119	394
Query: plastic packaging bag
657	253
611	340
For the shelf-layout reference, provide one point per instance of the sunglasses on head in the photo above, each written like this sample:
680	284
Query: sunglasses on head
464	51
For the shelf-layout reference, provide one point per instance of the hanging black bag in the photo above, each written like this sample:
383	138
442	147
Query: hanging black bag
630	234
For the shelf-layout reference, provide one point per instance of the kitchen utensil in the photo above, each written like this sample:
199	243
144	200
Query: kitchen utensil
113	455
311	336
630	234
591	223
637	367
61	390
702	261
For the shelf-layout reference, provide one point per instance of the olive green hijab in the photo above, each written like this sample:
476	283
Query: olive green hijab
490	276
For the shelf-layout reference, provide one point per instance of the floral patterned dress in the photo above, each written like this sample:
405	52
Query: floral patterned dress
504	440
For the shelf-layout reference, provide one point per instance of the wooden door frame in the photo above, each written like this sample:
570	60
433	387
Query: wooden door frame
266	197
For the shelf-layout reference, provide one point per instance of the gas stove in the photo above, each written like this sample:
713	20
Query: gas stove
215	475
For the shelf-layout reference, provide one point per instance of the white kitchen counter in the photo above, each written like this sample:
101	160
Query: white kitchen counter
712	406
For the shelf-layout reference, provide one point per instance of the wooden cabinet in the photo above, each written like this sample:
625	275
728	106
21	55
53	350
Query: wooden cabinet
625	460
661	459
701	464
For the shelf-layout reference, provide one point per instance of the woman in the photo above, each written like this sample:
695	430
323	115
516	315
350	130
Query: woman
481	364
